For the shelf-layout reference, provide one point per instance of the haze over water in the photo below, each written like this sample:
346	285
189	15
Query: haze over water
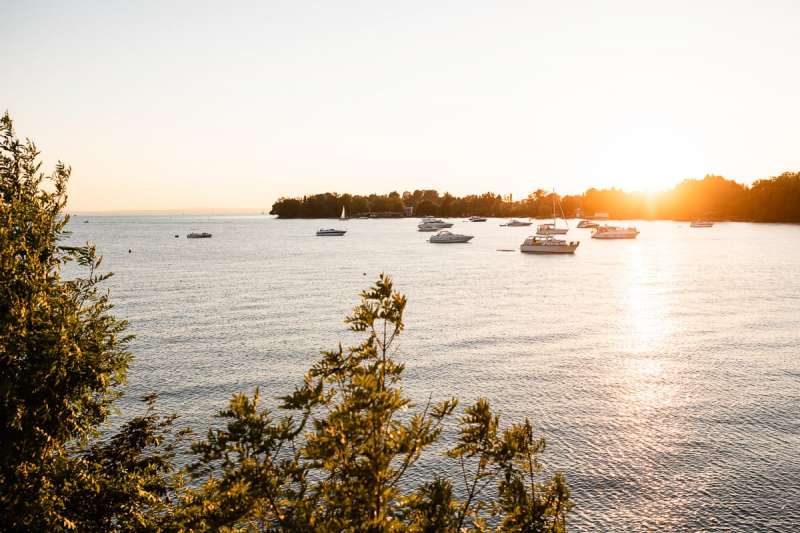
663	371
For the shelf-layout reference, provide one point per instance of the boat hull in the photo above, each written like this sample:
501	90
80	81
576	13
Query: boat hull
549	249
557	231
614	236
436	225
331	233
467	238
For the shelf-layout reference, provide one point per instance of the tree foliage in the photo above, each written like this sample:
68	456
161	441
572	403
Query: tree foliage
329	205
337	458
774	199
63	361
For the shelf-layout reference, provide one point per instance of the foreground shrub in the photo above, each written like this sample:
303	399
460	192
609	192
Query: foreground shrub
335	457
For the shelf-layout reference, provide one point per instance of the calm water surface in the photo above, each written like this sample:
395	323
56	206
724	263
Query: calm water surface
664	371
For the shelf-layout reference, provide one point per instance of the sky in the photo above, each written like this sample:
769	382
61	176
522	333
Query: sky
172	105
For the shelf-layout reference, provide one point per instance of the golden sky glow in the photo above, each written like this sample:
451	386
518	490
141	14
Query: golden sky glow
162	105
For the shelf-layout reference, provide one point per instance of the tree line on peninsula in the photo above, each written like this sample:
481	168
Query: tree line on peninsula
775	199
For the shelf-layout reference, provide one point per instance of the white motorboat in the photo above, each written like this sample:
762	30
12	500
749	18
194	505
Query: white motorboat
445	237
701	224
588	224
547	245
428	227
614	232
433	220
330	232
550	229
435	223
195	235
514	223
477	219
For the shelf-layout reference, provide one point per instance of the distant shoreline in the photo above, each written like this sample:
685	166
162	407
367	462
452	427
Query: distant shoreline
775	199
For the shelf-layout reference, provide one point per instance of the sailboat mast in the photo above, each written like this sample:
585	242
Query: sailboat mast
561	208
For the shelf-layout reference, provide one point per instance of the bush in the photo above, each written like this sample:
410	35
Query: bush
337	459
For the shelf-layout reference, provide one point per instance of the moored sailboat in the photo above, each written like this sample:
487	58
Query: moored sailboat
551	228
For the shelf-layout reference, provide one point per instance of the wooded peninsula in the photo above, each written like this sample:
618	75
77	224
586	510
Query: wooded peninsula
775	199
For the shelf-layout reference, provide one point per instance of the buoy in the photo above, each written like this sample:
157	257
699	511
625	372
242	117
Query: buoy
176	236
129	250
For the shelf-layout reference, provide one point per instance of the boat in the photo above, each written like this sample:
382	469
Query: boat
614	232
588	224
435	223
477	219
514	223
330	232
701	224
202	235
547	244
343	216
425	226
445	237
551	228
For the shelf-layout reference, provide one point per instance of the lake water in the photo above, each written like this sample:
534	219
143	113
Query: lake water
664	371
